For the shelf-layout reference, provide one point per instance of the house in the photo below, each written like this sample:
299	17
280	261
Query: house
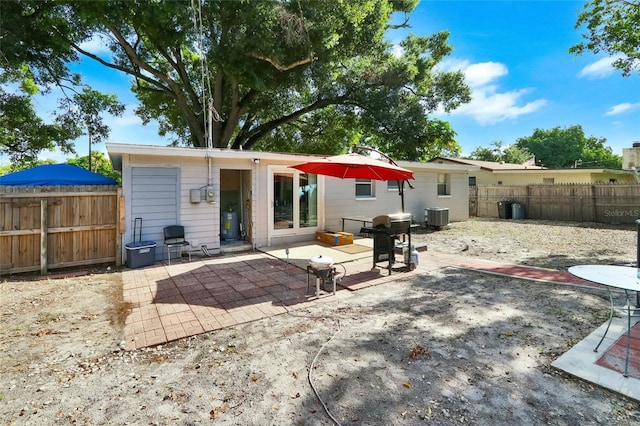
229	199
631	159
500	173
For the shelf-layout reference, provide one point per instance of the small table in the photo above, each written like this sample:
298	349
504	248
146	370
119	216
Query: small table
618	277
363	219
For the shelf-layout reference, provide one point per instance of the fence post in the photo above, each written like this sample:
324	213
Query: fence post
44	229
638	261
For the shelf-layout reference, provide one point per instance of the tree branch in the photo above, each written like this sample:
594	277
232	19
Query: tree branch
135	73
254	135
283	68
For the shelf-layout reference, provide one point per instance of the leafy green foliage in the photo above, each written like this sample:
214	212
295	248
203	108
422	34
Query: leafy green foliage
509	154
99	164
86	109
23	165
23	134
38	39
613	27
568	147
274	70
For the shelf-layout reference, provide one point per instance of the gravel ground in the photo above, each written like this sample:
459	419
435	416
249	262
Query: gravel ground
448	348
545	244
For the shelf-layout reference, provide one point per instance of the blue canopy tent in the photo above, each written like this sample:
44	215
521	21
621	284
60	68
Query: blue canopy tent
54	175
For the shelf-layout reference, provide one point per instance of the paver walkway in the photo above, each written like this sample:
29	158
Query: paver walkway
185	299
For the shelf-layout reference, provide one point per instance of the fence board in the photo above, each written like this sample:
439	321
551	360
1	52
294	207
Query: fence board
81	227
614	204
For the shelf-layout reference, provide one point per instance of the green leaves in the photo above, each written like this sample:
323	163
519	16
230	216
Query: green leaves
301	75
565	147
613	27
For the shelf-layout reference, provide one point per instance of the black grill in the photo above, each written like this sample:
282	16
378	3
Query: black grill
386	229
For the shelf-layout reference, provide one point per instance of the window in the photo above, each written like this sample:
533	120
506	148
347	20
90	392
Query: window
548	181
364	188
472	181
392	185
444	184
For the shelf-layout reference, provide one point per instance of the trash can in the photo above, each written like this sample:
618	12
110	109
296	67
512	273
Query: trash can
517	211
504	209
140	254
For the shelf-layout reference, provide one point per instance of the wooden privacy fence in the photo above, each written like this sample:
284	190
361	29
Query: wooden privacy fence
614	204
57	227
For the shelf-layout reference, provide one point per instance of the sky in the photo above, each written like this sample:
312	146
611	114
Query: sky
515	58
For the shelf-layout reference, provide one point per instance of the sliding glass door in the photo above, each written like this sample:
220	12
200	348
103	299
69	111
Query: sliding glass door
294	201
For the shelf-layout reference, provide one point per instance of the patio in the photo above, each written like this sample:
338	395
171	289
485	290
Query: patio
210	293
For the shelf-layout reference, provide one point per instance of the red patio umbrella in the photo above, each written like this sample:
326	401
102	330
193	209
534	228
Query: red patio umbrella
355	166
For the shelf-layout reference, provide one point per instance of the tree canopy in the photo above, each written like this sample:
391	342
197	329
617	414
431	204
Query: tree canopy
36	47
569	147
613	27
293	74
509	154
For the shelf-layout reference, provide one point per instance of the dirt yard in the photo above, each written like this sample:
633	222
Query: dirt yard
452	347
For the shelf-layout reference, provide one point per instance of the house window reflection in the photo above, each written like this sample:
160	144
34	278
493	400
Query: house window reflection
308	196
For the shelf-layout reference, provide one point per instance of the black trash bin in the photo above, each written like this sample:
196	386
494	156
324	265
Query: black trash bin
504	209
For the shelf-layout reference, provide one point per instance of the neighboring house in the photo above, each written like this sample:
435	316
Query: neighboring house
631	159
225	198
500	173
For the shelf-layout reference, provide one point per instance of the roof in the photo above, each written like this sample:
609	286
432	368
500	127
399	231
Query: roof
117	151
487	165
54	175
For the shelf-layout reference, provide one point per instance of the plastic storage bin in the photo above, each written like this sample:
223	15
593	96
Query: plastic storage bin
141	253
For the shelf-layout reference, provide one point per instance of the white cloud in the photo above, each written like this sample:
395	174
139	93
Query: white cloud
98	44
488	104
622	108
397	50
478	75
600	69
490	107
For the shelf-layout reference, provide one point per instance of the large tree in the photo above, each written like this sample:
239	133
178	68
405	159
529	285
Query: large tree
286	73
612	27
569	147
509	154
36	47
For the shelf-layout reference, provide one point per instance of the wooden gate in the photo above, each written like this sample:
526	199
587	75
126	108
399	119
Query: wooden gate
45	228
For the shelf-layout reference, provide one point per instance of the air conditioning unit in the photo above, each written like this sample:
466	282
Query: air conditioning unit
436	217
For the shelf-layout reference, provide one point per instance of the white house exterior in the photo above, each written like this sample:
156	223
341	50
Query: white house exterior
273	203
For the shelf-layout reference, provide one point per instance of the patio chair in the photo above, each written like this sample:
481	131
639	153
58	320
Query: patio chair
174	239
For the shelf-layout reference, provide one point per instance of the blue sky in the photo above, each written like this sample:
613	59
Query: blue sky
515	58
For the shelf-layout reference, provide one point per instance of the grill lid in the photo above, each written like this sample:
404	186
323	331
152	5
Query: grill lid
387	219
321	262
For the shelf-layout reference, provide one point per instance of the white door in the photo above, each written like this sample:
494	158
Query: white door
293	201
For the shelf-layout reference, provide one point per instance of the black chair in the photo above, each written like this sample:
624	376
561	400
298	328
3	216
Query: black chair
174	238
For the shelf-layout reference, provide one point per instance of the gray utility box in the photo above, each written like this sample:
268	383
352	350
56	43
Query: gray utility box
436	217
142	253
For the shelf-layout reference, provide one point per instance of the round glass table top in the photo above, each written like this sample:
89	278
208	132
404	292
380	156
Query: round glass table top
622	277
